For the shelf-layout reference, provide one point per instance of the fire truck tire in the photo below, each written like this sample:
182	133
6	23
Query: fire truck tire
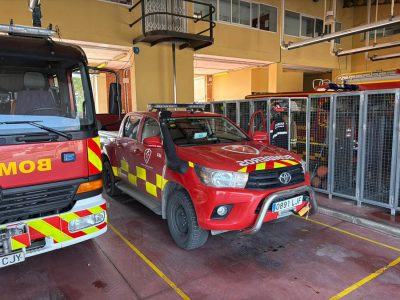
182	222
109	180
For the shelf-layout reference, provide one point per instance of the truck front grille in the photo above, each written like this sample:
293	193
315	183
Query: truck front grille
269	179
36	201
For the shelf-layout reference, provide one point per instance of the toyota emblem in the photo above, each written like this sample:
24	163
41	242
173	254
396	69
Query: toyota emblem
285	177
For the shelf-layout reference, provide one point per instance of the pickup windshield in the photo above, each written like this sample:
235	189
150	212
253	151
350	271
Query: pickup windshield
192	131
54	94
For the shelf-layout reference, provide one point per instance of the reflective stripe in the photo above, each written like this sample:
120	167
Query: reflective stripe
291	162
151	189
15	245
96	210
141	173
20	241
94	160
124	166
132	179
191	164
115	171
279	165
260	166
48	230
243	170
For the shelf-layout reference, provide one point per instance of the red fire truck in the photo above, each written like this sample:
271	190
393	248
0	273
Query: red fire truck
50	159
203	173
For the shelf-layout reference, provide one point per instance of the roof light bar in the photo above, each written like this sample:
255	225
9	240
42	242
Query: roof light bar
26	30
368	48
164	106
346	32
383	57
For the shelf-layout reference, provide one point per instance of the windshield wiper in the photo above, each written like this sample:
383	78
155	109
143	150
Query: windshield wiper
35	124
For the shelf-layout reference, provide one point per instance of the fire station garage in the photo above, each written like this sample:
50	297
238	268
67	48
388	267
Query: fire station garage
199	149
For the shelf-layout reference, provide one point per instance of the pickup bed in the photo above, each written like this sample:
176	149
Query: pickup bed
203	174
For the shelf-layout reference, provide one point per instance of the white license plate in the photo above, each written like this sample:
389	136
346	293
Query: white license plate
11	259
288	204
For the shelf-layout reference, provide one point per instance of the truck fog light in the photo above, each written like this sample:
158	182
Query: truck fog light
221	212
85	222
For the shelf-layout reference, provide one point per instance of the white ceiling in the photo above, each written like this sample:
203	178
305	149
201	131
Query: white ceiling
115	57
210	64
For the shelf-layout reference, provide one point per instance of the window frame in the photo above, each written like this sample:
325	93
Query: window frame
116	3
128	118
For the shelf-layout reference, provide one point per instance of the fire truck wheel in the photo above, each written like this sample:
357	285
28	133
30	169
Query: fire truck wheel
182	222
109	180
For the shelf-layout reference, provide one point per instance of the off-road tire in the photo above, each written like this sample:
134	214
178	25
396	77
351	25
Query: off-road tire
182	222
109	180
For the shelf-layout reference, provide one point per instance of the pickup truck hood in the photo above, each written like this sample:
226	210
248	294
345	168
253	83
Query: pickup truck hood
238	157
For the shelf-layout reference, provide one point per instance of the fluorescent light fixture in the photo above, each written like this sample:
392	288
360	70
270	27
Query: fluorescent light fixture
368	48
383	57
343	33
26	30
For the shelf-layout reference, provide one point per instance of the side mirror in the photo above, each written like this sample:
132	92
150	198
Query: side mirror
114	99
153	142
261	136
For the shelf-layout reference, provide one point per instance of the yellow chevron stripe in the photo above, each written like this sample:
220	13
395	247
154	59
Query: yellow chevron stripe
15	245
132	179
97	140
95	210
292	162
69	217
141	173
151	189
90	230
164	182
243	170
49	230
279	165
95	160
260	166
115	171
124	166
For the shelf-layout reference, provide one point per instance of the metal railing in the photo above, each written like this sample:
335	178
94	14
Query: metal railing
350	141
173	16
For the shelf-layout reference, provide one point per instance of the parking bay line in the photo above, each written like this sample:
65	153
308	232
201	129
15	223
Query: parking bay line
150	264
369	277
351	234
363	281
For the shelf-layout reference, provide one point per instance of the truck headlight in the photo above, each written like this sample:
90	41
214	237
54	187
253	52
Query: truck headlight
222	179
85	222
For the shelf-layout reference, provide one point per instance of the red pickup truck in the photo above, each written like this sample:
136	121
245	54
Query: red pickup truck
203	173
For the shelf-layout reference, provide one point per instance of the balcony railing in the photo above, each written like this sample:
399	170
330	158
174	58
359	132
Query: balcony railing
169	21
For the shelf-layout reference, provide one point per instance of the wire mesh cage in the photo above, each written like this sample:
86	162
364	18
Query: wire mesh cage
378	147
298	126
346	140
231	111
320	109
244	109
279	114
218	107
207	107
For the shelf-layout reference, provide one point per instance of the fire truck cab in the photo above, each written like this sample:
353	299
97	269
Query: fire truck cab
50	161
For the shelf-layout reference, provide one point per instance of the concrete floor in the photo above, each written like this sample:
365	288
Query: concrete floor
296	259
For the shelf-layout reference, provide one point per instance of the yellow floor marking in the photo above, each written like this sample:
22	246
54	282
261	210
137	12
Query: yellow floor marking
365	280
150	264
351	234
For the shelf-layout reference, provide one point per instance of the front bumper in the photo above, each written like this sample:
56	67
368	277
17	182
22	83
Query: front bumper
51	232
282	194
247	205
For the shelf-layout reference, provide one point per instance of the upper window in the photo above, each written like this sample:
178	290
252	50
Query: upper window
131	127
307	26
201	10
268	18
292	23
225	10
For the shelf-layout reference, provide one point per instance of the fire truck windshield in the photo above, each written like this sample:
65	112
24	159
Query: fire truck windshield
193	131
54	94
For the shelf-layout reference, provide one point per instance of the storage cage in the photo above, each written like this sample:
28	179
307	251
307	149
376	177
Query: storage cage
349	140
